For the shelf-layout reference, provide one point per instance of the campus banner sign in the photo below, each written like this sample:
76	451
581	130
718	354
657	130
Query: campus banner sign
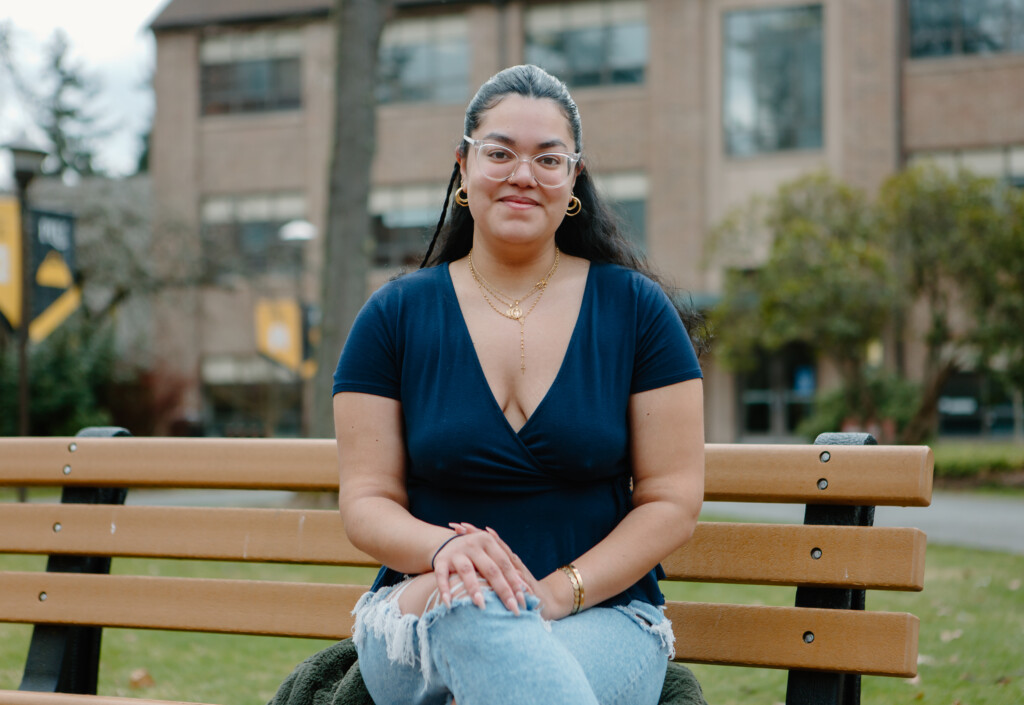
286	332
54	293
279	331
10	263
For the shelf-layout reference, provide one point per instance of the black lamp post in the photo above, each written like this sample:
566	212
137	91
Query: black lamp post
27	161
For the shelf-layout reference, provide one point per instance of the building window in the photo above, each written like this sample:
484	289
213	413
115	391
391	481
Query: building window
404	219
241	234
271	409
948	27
772	97
1006	163
424	60
632	214
251	72
778	393
975	404
627	195
589	43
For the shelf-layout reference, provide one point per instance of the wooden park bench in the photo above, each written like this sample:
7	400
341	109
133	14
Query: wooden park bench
826	641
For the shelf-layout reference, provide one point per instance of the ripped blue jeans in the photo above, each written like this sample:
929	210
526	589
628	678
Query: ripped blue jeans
606	655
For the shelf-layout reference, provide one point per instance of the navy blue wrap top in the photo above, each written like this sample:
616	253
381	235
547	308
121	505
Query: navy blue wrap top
562	483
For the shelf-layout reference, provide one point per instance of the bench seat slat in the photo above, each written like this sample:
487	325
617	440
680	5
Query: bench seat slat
876	643
24	697
881	558
869	475
869	642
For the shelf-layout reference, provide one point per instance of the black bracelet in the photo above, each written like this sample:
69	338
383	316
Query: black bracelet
446	542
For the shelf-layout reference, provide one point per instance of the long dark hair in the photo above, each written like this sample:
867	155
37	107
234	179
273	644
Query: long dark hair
594	234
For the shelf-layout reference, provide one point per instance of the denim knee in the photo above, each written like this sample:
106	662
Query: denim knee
489	655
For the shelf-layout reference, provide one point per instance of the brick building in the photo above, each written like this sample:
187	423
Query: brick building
689	107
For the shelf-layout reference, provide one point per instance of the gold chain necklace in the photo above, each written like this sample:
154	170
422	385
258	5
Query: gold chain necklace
513	304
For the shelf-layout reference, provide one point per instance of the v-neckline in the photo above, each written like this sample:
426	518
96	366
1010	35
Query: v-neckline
480	368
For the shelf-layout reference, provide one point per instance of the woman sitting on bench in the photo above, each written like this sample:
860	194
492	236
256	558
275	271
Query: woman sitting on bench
520	432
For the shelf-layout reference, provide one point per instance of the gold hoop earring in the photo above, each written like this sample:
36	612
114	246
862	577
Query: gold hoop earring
574	207
462	197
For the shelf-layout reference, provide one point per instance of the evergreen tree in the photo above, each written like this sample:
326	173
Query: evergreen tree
70	373
66	111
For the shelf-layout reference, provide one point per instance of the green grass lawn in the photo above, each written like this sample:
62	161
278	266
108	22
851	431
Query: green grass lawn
972	639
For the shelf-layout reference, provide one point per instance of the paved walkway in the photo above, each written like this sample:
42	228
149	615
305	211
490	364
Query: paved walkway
954	518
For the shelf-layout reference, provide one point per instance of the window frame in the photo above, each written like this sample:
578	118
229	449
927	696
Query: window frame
605	20
250	72
436	36
946	31
227	246
806	128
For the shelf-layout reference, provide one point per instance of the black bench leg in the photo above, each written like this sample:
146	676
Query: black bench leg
812	688
816	688
65	659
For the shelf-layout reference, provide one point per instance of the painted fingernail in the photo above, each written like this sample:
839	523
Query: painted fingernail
478	600
521	598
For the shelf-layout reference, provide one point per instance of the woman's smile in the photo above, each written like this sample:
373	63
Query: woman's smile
519	202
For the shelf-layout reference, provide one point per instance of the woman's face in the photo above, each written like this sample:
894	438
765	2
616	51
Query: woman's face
518	209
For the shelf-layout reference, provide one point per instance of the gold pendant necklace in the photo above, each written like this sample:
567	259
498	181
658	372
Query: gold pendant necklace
514	305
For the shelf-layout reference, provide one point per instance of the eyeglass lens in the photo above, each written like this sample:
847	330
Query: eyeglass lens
497	162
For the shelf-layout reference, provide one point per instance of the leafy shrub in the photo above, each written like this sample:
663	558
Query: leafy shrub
973	459
893	398
68	372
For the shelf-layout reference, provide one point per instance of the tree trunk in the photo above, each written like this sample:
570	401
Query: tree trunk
923	423
348	238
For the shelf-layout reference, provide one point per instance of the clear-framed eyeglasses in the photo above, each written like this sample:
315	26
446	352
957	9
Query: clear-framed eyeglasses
498	163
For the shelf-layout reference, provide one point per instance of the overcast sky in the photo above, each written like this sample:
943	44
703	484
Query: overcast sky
110	38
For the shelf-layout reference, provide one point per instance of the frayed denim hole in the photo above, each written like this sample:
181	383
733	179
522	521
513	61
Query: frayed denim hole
662	630
379	612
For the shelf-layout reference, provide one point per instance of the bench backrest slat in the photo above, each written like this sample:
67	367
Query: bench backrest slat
204	533
850	557
863	475
868	475
874	642
311	610
719	552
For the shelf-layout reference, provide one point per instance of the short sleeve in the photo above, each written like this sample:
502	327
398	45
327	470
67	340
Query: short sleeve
369	360
664	352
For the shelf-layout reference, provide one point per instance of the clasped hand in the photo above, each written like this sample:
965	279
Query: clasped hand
480	556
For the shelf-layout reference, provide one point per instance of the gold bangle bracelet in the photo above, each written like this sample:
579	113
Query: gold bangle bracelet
573	573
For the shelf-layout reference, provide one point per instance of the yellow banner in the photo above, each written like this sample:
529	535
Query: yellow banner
10	261
279	331
54	315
